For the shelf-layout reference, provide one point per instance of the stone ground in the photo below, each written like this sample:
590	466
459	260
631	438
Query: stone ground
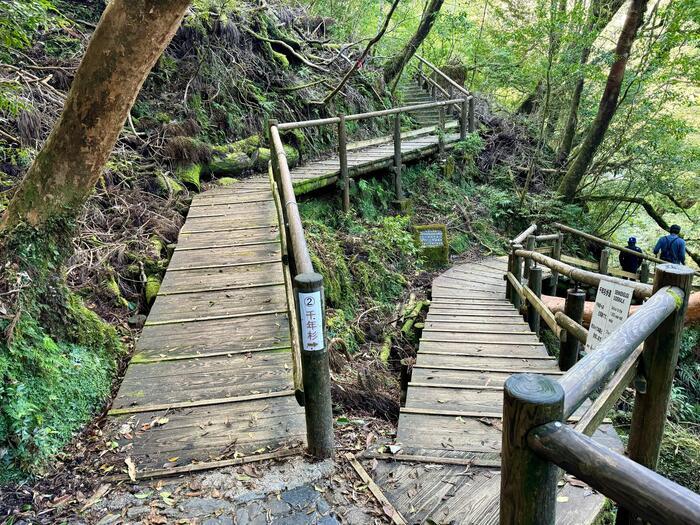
295	492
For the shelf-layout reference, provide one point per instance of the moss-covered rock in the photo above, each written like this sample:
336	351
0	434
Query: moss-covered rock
190	176
152	288
167	185
226	181
231	164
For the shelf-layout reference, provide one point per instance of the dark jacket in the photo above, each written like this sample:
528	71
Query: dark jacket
672	249
630	263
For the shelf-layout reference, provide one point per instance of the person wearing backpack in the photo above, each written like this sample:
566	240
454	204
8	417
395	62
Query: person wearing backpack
629	262
671	247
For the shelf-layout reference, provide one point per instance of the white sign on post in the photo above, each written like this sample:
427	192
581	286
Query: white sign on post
612	307
311	321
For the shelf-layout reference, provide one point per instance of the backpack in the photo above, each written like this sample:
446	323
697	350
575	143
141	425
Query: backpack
666	251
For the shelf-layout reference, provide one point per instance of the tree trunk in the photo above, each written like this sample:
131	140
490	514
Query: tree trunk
396	65
130	37
599	16
608	102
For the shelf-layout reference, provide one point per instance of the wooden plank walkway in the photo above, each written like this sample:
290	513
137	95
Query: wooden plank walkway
369	156
472	342
214	360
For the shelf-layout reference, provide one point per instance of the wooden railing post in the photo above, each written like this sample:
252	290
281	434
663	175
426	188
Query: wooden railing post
343	157
511	269
441	131
658	364
534	282
556	254
314	364
570	348
604	263
472	126
398	190
518	273
463	120
530	245
644	272
528	482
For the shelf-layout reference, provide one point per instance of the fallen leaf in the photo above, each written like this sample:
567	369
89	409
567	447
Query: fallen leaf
131	468
143	495
99	493
394	448
562	499
173	459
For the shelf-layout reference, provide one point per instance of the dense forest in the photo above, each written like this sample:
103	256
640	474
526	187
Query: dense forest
114	114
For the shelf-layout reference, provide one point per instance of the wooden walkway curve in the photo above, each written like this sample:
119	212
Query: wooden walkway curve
450	428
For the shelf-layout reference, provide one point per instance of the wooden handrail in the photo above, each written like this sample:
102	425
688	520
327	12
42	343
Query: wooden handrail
571	327
437	86
633	486
300	251
641	290
609	244
588	374
520	238
371	114
444	76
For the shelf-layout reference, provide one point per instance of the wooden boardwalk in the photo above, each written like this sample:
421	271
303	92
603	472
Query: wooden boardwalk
212	373
472	342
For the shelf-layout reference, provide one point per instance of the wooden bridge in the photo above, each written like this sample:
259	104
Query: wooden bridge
232	366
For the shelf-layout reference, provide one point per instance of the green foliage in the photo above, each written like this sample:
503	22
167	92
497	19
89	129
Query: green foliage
680	456
685	397
20	21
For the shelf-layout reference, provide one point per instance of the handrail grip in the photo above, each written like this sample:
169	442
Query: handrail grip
444	76
633	486
523	235
641	290
359	116
586	375
302	259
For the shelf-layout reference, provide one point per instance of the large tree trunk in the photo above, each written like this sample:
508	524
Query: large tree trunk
599	15
395	67
130	37
608	102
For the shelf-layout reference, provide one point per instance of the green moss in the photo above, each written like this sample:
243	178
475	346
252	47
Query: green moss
152	288
167	185
226	181
190	175
435	256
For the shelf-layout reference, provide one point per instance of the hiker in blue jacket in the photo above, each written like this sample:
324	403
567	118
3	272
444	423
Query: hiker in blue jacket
671	247
630	263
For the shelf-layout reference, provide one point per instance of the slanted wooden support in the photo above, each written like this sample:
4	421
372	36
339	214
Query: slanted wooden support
530	245
590	372
604	262
659	361
343	158
654	498
644	272
398	190
571	327
314	363
534	283
528	482
571	347
463	123
556	255
472	126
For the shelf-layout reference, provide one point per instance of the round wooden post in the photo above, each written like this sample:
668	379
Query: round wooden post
343	157
556	254
534	282
530	244
518	273
441	131
472	126
658	364
398	189
463	120
509	287
314	364
570	348
528	482
604	263
644	272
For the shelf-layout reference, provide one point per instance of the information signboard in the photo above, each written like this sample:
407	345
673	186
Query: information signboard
612	306
311	321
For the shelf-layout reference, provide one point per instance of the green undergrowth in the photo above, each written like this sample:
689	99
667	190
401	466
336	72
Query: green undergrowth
57	358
